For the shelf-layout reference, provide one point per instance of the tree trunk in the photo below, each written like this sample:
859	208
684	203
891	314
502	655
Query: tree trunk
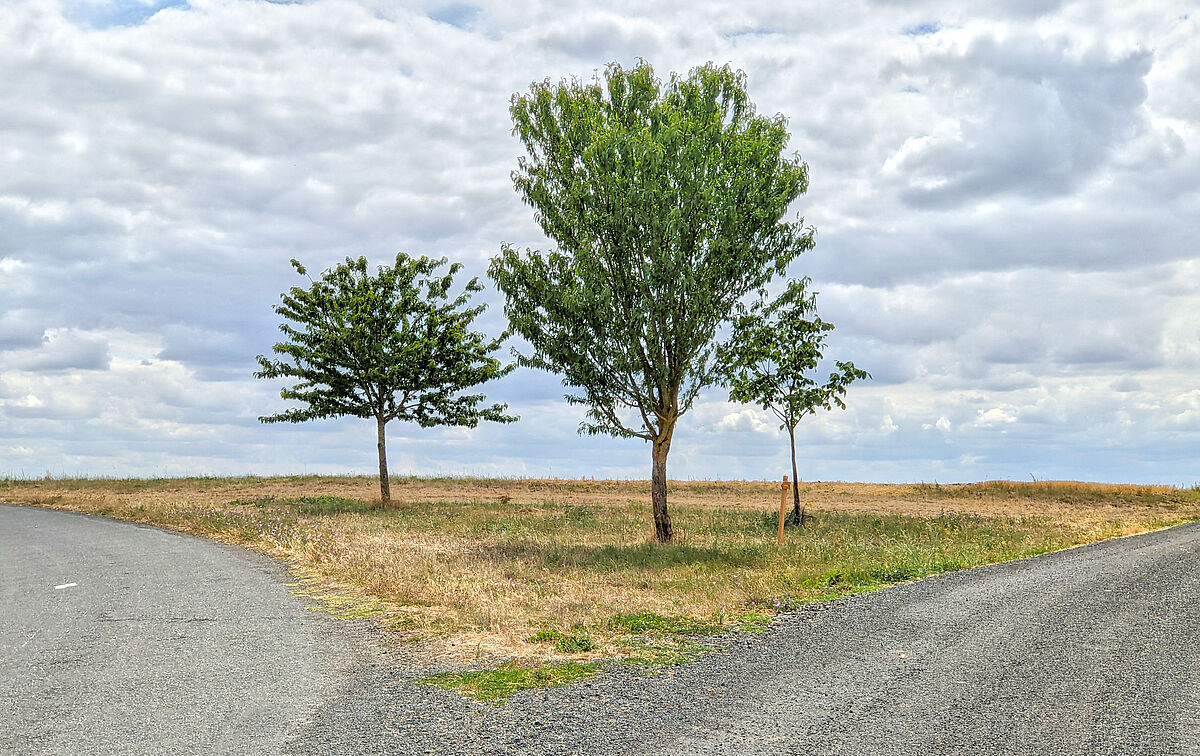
658	488
385	488
797	516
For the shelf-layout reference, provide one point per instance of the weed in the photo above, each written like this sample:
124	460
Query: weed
568	644
496	685
652	654
574	644
328	505
895	574
256	501
658	624
578	515
751	621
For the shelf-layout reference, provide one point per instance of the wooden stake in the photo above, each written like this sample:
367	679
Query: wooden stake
782	507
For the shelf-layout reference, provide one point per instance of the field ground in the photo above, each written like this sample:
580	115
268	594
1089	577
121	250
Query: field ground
494	570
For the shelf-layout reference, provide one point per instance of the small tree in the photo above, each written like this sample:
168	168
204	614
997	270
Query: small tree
769	356
666	204
395	345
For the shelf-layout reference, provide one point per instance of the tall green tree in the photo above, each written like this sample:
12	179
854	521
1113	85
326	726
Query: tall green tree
769	359
666	202
395	344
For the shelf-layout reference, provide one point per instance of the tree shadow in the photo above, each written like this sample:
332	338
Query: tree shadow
615	558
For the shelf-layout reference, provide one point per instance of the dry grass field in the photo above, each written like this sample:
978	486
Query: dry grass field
488	569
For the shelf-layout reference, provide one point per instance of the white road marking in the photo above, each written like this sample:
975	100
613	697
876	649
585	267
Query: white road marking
65	585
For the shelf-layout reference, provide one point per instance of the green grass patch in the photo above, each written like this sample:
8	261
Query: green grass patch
653	654
259	502
752	621
658	624
573	643
545	636
343	606
328	505
496	685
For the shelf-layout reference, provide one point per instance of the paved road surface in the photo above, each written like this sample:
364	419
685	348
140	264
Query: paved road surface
162	643
169	644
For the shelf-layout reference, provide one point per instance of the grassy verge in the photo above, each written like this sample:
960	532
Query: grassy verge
498	684
564	572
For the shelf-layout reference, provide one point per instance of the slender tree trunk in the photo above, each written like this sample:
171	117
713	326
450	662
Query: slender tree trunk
385	487
797	516
658	488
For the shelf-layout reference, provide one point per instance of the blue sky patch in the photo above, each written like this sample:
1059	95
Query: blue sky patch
455	14
921	30
118	12
758	31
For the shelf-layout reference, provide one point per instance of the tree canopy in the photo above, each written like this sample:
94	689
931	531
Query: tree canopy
775	346
395	344
666	203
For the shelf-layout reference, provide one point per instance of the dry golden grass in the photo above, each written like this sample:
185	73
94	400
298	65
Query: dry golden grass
474	567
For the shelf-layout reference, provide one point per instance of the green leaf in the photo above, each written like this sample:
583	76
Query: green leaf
775	346
393	344
667	204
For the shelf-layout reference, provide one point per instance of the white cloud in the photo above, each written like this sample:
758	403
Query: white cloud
994	416
60	349
1005	198
942	424
748	421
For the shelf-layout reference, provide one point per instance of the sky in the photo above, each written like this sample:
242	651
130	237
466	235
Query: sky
1006	198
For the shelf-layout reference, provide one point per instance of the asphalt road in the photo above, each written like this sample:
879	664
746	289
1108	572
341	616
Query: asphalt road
116	638
1093	650
170	644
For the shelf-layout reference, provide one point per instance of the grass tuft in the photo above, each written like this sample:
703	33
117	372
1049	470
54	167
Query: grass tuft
574	643
658	624
653	654
496	685
329	505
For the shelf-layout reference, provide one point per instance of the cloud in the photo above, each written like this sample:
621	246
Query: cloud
19	330
994	416
61	350
1004	194
212	354
1033	115
749	421
596	36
